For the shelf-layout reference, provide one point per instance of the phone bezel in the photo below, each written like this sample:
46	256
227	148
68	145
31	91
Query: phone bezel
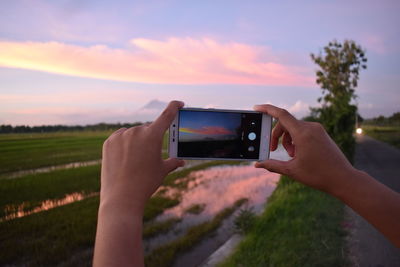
266	127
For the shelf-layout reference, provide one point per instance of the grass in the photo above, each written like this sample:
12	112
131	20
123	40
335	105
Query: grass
37	150
156	205
55	236
299	227
387	134
155	228
49	237
245	219
171	179
30	151
195	209
31	190
165	254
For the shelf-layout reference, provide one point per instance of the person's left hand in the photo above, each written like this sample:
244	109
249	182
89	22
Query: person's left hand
132	165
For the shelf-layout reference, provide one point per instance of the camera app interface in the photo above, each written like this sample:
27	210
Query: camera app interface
215	134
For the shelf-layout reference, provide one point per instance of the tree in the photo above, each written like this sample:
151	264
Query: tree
338	74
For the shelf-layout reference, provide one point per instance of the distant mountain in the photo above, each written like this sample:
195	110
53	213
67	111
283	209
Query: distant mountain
147	112
153	107
150	111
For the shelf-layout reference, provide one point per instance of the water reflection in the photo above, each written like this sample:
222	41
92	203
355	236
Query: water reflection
53	168
17	211
217	188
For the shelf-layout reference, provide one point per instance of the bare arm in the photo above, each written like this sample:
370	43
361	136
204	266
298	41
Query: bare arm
374	201
318	162
132	170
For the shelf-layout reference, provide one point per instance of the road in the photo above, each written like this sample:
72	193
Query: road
367	246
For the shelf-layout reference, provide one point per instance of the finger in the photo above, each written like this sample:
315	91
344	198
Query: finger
278	166
289	122
162	123
123	129
288	144
171	164
277	132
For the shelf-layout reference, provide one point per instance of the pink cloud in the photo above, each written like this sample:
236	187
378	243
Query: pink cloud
208	130
99	96
174	61
375	43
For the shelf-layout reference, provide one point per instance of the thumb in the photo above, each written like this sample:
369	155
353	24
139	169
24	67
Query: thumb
273	165
171	164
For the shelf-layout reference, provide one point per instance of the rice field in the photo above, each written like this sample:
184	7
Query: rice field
49	217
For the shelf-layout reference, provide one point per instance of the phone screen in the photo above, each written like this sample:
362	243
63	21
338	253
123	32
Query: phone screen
216	134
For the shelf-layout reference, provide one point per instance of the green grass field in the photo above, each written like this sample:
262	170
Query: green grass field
299	227
302	219
66	232
31	151
387	134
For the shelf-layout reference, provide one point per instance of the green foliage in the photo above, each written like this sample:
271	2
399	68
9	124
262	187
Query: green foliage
245	220
32	190
338	74
393	120
50	237
299	227
165	254
152	229
31	151
156	205
196	208
64	128
387	134
180	179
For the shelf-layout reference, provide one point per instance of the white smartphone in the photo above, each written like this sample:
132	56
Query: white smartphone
199	133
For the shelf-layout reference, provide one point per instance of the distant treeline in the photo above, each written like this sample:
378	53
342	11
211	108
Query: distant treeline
382	120
64	128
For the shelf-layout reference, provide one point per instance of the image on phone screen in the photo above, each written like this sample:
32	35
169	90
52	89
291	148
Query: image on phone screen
213	134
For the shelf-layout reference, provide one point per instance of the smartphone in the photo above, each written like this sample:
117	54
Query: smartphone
199	133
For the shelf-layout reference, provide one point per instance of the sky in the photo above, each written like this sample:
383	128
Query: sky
83	62
194	126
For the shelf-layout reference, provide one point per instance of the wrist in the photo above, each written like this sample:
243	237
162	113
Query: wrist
347	183
119	206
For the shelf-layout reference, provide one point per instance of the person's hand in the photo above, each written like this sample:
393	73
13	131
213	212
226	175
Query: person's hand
316	162
132	165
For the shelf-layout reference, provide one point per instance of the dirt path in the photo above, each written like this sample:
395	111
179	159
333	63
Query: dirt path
368	247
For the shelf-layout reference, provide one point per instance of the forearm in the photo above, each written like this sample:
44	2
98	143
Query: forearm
377	203
118	237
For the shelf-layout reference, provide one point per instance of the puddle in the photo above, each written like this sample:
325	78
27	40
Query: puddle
18	211
217	188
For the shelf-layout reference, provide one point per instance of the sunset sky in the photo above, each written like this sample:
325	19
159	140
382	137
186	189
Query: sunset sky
79	62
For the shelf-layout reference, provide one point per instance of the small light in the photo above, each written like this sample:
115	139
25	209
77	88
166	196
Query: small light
359	131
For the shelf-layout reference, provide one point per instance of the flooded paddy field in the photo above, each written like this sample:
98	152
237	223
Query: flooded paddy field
49	218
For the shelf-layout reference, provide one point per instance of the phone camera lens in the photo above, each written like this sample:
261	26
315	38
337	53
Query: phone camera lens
173	125
252	136
253	123
173	139
250	148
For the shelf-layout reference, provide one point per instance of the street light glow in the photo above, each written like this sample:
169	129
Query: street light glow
359	131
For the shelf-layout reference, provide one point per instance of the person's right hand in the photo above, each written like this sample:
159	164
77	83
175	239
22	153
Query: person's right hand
316	162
